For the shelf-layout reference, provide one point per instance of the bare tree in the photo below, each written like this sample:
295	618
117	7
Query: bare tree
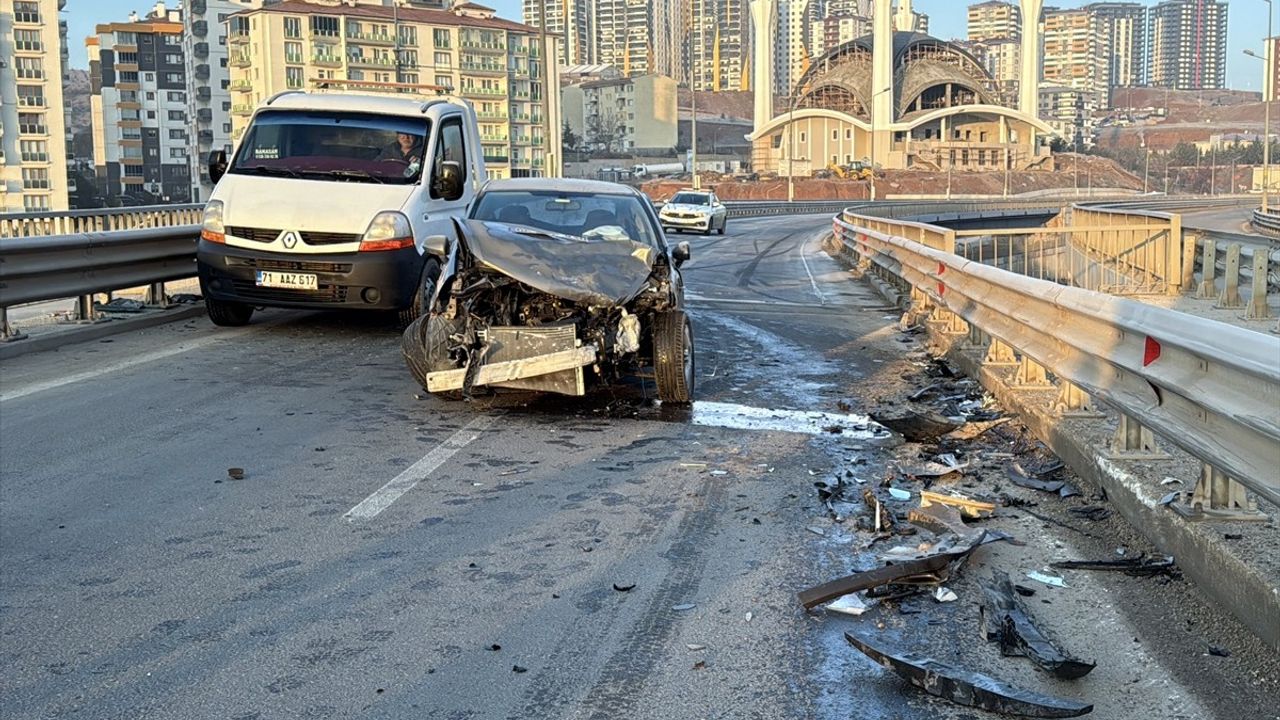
604	132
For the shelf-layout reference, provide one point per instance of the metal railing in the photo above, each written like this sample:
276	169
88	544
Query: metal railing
1267	221
71	222
1210	388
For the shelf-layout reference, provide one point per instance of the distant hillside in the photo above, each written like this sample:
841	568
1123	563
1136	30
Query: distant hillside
75	95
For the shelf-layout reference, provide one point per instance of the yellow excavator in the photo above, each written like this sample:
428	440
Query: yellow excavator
852	171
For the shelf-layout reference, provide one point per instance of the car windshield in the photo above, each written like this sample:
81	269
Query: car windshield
593	217
345	147
688	198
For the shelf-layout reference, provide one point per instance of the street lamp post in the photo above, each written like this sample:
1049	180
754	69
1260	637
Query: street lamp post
1267	70
874	95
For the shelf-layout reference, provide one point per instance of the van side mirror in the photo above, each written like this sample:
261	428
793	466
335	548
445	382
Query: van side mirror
448	181
681	253
217	165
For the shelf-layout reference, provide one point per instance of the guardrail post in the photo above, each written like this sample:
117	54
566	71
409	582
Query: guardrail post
952	324
84	308
1218	497
1177	276
1031	375
1073	402
1230	297
1257	308
7	331
999	354
1208	289
1132	441
156	296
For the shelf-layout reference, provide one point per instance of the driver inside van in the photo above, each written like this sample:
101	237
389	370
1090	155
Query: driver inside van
407	148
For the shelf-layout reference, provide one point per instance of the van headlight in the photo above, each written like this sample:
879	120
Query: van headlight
212	228
388	231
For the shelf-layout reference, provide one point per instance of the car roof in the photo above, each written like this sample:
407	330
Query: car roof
569	185
402	105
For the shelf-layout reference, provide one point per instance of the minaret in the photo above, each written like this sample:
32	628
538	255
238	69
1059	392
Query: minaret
904	20
881	79
764	20
1029	79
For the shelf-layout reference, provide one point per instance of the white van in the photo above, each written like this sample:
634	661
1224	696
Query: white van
329	199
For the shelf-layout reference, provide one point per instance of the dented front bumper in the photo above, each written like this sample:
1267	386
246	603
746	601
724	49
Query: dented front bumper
545	359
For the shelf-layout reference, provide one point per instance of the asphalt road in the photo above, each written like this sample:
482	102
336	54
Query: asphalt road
393	555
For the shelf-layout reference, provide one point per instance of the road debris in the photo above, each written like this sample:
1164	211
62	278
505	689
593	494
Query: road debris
916	426
817	531
748	616
933	469
968	688
235	473
120	305
945	595
694	647
683	607
1034	481
519	669
1090	512
1140	566
624	588
968	507
851	604
899	494
974	430
1006	621
1219	652
1047	579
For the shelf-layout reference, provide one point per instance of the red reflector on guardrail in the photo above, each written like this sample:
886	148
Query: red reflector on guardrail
941	268
1152	351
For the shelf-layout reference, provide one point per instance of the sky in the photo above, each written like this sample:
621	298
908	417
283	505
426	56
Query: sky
1246	20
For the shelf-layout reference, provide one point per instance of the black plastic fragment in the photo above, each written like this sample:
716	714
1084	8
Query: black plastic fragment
1004	620
1140	566
968	688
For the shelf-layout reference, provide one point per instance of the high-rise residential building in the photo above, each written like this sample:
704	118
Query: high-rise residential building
208	80
793	47
141	123
907	20
1074	55
1065	110
493	63
642	37
994	20
1272	58
1122	35
574	20
1187	44
841	21
33	144
719	45
628	114
1002	59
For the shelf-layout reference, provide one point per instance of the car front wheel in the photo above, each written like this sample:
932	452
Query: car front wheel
673	360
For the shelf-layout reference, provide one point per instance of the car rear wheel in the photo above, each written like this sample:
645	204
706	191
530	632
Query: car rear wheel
228	314
673	361
723	225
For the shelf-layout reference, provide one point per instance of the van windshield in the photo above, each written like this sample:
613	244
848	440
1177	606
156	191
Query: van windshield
344	147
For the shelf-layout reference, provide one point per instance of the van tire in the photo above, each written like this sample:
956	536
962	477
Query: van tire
422	295
673	360
228	314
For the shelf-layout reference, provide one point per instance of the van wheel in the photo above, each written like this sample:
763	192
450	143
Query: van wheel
228	314
673	362
423	295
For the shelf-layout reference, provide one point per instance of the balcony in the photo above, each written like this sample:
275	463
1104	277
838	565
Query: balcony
240	60
294	58
238	38
202	71
28	101
204	94
242	110
204	115
491	114
495	158
324	36
495	48
373	62
483	67
205	137
493	138
477	91
365	38
241	86
200	28
200	50
326	60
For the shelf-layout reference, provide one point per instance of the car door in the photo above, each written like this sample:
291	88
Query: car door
434	213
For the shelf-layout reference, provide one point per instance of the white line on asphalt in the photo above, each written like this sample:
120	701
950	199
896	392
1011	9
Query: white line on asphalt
822	299
382	498
101	370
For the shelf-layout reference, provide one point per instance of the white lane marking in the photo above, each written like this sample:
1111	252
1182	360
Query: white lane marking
382	498
122	365
822	299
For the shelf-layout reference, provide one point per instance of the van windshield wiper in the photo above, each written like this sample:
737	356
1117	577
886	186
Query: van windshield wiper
352	175
276	171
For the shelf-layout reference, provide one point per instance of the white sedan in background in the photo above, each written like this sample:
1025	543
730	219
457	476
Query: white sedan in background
694	210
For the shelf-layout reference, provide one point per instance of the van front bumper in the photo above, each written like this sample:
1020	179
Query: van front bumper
352	281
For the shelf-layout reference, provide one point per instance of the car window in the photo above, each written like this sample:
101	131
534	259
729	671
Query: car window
589	216
347	147
450	147
688	198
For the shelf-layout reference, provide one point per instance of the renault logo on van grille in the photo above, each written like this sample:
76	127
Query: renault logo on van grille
290	239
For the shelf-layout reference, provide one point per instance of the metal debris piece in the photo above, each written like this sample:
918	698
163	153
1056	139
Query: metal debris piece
968	688
974	430
916	426
1140	566
1006	621
1219	652
883	519
931	469
1168	499
1023	478
931	568
1047	579
850	604
939	520
235	473
967	507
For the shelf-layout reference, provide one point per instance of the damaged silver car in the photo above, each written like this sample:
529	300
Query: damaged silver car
552	285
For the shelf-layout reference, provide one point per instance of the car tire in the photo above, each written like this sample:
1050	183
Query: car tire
724	224
224	313
422	295
673	359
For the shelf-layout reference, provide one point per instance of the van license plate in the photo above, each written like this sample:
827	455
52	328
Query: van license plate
288	281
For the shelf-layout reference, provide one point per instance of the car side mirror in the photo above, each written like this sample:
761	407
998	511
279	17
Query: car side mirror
217	165
449	185
681	253
436	245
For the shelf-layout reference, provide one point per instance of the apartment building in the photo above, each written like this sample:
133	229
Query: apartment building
573	20
994	20
466	51
629	114
1122	33
719	45
793	51
1187	44
1065	109
1002	59
141	125
33	144
642	37
1075	56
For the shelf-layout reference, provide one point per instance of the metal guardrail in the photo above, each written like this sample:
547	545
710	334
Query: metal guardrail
1163	370
1268	221
70	222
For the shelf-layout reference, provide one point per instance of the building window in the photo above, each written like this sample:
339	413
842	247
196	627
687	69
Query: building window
293	53
177	115
444	60
151	114
30	96
27	40
34	150
441	38
32	124
126	38
293	27
226	106
325	26
170	39
177	134
173	77
127	58
34	203
149	77
35	178
26	11
30	68
293	78
445	81
133	170
175	96
409	35
178	152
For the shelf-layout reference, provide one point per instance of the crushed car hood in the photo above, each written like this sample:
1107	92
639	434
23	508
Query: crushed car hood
596	272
